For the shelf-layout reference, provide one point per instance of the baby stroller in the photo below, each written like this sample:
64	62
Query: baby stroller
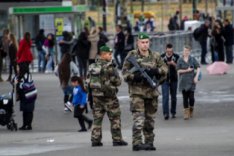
6	111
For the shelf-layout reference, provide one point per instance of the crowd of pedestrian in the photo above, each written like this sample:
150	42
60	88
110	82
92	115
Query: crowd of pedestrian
218	37
20	57
213	35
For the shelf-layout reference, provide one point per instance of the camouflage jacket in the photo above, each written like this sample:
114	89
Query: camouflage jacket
151	62
103	78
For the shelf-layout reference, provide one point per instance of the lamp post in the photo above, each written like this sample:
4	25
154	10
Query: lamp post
206	6
142	5
194	7
131	4
180	8
104	14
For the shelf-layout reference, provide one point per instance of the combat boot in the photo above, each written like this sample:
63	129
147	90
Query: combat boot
186	114
150	147
139	147
120	143
97	144
191	112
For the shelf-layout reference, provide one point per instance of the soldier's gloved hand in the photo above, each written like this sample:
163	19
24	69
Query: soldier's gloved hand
152	72
138	78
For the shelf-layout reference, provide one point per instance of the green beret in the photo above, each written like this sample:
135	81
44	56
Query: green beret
143	35
105	49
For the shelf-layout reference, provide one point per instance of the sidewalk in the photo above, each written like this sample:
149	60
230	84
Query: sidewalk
54	132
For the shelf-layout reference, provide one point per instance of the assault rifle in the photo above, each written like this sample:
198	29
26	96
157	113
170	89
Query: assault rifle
136	67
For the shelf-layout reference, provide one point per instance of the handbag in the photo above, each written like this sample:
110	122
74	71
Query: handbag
200	76
28	89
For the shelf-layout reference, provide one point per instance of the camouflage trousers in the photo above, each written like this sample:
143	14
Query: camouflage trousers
110	106
144	112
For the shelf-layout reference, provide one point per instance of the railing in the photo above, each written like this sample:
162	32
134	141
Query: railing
158	43
178	39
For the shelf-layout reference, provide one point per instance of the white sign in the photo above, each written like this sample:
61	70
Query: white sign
47	23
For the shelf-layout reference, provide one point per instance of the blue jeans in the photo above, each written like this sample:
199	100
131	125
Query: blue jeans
121	61
203	52
41	61
166	89
67	91
49	65
229	54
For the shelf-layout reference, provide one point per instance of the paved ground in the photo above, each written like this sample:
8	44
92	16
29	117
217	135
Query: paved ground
54	133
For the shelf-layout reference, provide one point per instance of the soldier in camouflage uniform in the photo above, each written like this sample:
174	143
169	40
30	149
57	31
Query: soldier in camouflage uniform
104	79
144	99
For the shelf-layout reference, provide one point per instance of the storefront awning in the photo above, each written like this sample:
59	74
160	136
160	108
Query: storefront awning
47	9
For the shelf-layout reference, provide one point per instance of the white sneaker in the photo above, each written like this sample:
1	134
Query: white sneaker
66	109
48	71
69	106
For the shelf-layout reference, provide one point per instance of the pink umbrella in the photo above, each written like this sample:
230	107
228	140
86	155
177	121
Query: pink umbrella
217	68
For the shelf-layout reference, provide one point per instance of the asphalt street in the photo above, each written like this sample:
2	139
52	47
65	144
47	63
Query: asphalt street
54	132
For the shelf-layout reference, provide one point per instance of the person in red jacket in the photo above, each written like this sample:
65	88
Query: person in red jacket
24	55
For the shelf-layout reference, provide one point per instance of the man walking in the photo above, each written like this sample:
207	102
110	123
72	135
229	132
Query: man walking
170	85
144	98
203	31
104	79
228	35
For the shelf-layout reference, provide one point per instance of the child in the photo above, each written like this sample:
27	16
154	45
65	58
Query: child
79	102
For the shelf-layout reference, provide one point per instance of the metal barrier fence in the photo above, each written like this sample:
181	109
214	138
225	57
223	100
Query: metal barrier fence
178	39
158	43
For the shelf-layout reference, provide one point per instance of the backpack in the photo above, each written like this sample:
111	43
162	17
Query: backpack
170	24
197	34
27	89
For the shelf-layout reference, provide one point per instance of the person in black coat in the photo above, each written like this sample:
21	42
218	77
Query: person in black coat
66	43
203	31
13	47
169	87
217	41
228	35
173	22
27	107
129	42
119	46
82	52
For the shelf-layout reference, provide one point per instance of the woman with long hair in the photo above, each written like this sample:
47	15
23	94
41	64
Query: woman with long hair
24	55
13	47
188	69
217	42
24	58
66	69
